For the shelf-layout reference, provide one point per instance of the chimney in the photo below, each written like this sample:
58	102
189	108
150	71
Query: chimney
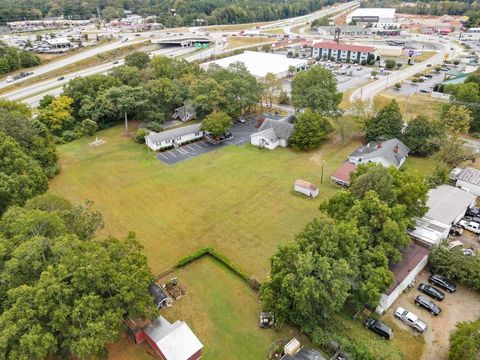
395	149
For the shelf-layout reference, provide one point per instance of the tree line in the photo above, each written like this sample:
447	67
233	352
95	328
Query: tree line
12	59
170	13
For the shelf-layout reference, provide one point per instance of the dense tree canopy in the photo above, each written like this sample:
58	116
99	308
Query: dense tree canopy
386	124
63	294
316	89
217	123
21	177
465	341
420	135
12	58
138	59
310	130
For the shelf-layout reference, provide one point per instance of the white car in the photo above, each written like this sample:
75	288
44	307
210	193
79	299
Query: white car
410	319
9	79
473	227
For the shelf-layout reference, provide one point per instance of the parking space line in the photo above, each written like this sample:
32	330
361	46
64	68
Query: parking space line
163	156
170	152
197	146
191	148
182	151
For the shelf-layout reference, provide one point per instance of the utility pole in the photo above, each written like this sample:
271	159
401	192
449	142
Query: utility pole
321	178
126	124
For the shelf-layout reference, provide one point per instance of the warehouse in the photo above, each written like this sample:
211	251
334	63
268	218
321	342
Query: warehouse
260	64
372	15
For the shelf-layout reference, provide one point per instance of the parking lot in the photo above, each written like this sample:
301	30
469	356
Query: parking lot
462	305
241	135
409	89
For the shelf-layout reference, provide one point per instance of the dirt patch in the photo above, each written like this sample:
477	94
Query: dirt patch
463	305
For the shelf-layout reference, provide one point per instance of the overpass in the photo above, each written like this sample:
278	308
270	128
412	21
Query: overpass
183	41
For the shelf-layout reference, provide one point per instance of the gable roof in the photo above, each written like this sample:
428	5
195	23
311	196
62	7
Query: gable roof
393	151
275	129
176	341
446	202
344	47
174	133
470	175
343	172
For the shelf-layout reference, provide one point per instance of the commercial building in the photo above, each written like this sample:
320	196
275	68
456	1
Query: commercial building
414	259
469	180
35	25
173	138
260	64
341	52
56	45
372	15
472	34
446	206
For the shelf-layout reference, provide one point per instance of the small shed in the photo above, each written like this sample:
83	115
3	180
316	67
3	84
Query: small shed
306	188
162	300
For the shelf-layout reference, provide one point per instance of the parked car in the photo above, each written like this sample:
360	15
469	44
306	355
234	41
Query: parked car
241	120
455	245
360	68
428	304
442	282
463	223
9	79
429	65
61	78
456	230
424	91
473	227
379	328
431	291
115	62
469	251
473	212
410	319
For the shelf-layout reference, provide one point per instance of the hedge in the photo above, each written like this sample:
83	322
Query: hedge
217	255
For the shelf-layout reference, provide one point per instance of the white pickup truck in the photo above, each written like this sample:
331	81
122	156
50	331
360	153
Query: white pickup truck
410	319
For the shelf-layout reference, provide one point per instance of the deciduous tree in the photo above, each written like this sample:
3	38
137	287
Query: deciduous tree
217	123
386	124
310	130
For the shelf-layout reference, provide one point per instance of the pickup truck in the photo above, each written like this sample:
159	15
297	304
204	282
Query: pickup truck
410	319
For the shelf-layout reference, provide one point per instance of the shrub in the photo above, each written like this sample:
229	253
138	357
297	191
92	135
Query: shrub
89	127
363	62
154	126
254	283
390	64
69	135
397	85
283	98
140	135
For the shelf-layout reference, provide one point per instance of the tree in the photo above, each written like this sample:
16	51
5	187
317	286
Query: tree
468	95
208	94
45	101
82	287
271	85
456	119
465	341
390	64
139	59
283	98
89	127
361	111
57	116
452	150
20	176
310	130
420	135
345	127
217	123
316	89
386	124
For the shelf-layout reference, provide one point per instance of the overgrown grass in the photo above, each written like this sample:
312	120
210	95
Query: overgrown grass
412	106
241	41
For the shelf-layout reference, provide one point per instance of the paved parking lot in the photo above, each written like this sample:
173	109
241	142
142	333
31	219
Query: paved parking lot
409	89
241	135
462	305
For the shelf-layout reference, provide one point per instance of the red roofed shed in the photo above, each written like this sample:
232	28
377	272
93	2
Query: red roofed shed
341	176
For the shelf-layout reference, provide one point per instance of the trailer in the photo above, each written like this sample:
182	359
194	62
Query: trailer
306	188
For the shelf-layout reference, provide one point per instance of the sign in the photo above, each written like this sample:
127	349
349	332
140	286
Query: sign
411	53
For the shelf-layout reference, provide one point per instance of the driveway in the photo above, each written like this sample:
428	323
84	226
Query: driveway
241	135
463	305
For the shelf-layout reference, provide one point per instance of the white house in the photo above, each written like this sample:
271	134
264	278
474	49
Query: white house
469	179
273	133
342	52
173	138
386	153
414	259
372	15
446	206
306	188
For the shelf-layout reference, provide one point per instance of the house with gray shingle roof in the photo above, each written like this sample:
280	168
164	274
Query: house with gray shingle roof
469	179
386	153
273	133
173	138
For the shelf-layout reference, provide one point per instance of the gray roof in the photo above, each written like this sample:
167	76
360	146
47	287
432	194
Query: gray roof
392	150
470	175
304	354
447	202
158	294
174	133
275	129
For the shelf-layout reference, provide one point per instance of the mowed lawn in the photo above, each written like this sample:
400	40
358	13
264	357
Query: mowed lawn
238	199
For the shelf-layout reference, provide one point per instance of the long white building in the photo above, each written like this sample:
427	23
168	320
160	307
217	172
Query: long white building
372	15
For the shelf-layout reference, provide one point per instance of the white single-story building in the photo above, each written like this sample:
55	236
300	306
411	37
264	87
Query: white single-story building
260	64
173	138
447	206
469	179
342	52
386	153
413	261
372	15
273	133
57	45
306	188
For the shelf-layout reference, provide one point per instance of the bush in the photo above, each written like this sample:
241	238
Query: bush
283	98
154	126
415	80
390	64
89	127
155	116
69	135
363	62
397	85
140	135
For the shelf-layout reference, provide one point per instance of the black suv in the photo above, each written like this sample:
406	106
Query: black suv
427	304
431	291
379	328
443	283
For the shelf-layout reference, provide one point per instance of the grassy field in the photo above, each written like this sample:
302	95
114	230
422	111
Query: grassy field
413	106
240	41
239	200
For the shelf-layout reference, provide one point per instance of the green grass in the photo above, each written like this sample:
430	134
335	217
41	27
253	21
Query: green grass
240	200
404	346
